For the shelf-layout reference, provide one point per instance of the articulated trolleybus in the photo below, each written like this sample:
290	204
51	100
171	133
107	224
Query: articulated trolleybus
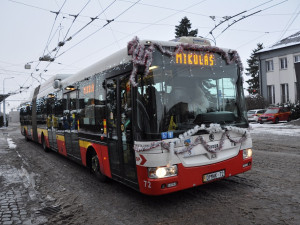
157	116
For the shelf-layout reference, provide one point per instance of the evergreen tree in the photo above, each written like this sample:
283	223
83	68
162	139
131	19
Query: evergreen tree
184	29
253	71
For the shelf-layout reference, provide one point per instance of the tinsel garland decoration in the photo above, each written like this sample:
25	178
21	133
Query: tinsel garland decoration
200	140
141	148
142	56
213	128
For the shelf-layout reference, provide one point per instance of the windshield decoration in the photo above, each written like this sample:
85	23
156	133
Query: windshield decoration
142	56
213	128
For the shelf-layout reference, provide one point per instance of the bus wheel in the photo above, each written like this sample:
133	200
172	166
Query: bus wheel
46	149
95	168
25	135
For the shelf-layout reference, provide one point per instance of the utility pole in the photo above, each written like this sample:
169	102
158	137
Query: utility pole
4	116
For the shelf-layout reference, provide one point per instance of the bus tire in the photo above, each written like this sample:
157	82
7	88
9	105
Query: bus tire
46	149
25	135
95	168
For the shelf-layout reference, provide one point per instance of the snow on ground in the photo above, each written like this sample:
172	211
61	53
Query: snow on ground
11	144
282	128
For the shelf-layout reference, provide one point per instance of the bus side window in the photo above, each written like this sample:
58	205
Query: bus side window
59	108
91	104
100	108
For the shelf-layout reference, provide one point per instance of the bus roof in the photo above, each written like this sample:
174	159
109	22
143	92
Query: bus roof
47	86
122	57
118	58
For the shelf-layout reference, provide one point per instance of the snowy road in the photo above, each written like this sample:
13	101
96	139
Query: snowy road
63	192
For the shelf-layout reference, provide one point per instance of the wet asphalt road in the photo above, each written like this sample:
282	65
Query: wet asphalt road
50	189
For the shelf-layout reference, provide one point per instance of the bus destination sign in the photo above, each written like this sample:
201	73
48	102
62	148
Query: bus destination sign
207	59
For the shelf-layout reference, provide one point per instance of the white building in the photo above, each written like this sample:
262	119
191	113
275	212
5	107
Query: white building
279	67
13	117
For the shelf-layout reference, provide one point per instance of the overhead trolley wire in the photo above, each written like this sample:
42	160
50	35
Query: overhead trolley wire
92	20
56	15
113	33
48	10
246	16
161	7
22	3
108	22
130	35
230	17
235	21
289	23
60	43
75	17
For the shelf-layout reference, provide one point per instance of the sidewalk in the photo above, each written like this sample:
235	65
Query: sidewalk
17	194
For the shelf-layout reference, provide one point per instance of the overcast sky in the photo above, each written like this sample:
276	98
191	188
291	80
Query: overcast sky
31	29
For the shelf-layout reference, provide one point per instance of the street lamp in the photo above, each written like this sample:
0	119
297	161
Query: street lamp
4	115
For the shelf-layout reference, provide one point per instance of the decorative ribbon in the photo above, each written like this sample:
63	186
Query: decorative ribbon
213	128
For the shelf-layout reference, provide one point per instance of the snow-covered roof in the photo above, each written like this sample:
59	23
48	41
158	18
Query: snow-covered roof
286	42
47	86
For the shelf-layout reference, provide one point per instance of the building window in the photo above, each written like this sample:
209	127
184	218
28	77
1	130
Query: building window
297	58
270	66
283	63
271	94
284	93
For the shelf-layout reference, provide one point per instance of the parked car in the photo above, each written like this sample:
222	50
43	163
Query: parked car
275	114
254	114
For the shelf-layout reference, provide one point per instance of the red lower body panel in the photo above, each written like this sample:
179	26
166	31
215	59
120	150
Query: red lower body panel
102	153
190	176
61	147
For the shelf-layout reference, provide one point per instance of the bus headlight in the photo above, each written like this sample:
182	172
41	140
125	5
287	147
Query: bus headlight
247	153
162	172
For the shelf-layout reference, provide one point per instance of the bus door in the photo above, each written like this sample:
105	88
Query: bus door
70	124
51	123
119	133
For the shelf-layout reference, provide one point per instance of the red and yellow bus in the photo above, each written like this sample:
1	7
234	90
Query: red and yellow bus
157	116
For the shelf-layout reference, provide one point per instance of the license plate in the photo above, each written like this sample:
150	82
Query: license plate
213	176
213	147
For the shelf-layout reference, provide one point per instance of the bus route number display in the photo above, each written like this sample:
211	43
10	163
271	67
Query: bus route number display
88	89
200	59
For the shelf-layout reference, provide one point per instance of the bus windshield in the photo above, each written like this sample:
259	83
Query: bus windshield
178	94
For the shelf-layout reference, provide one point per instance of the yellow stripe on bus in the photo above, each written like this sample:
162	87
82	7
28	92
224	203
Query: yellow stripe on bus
40	131
60	138
84	144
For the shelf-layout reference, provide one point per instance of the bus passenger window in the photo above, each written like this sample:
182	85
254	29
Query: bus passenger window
86	102
100	110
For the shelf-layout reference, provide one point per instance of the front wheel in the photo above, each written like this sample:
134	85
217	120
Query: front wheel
25	135
276	120
96	169
44	145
